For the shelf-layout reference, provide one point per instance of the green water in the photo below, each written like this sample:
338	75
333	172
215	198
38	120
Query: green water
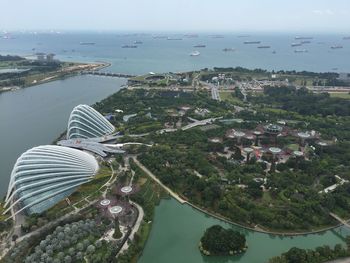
178	228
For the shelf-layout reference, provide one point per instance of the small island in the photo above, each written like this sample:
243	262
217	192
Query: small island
218	241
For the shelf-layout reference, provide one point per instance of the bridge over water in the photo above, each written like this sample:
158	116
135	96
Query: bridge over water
107	73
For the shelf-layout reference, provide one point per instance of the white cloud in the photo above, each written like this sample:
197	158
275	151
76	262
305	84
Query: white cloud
327	12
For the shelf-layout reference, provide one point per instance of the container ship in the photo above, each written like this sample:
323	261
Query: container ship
303	38
252	42
129	46
87	43
228	49
200	45
300	51
336	47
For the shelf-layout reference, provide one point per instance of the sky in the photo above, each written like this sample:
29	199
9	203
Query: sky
177	15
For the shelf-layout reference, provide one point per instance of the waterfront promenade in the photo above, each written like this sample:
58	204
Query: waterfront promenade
225	219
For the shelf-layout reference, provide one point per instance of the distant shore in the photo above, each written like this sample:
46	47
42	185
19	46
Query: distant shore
74	69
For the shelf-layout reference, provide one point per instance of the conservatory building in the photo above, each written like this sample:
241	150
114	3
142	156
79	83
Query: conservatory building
44	175
85	122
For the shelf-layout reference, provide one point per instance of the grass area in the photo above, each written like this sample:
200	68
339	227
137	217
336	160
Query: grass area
143	234
92	187
293	147
340	95
228	96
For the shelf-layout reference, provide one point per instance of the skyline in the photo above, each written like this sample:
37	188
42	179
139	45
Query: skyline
191	15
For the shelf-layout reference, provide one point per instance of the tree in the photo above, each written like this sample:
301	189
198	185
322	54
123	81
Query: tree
296	255
117	233
90	249
220	241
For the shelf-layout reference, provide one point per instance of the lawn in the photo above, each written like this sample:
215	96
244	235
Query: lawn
227	96
340	95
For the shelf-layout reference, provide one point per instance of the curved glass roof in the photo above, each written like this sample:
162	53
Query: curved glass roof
85	122
44	175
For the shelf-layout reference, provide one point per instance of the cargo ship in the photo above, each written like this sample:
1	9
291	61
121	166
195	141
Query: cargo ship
252	42
264	46
87	43
199	45
300	51
129	46
336	47
296	44
228	49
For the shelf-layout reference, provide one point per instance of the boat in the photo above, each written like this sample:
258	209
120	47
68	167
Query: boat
305	42
228	49
303	38
243	36
129	46
138	42
300	51
199	45
173	38
252	42
296	44
195	53
346	38
274	52
336	47
87	43
264	46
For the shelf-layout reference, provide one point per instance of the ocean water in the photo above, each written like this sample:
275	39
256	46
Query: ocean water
162	55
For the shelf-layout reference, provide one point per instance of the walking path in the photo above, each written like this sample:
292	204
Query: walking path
150	174
135	228
222	218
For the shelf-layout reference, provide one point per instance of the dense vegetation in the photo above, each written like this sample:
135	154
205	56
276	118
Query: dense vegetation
191	164
220	241
317	255
303	101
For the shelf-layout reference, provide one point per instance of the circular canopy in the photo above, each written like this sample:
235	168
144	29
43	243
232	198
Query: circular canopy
126	189
238	134
275	150
105	202
248	150
303	135
322	143
115	209
273	128
298	153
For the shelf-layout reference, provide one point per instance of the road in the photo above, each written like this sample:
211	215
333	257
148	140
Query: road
199	123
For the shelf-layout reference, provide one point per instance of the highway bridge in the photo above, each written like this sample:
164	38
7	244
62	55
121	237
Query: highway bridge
108	74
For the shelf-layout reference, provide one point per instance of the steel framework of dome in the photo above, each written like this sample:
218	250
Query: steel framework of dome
44	175
85	122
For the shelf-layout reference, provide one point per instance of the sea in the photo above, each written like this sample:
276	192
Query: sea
38	115
170	52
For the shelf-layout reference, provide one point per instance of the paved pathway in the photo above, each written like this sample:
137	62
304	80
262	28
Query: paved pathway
150	174
135	228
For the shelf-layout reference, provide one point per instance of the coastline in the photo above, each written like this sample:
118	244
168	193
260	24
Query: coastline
64	73
183	201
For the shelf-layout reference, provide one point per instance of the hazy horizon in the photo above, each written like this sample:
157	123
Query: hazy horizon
297	16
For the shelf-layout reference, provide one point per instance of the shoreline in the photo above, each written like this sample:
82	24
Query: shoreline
62	74
183	201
